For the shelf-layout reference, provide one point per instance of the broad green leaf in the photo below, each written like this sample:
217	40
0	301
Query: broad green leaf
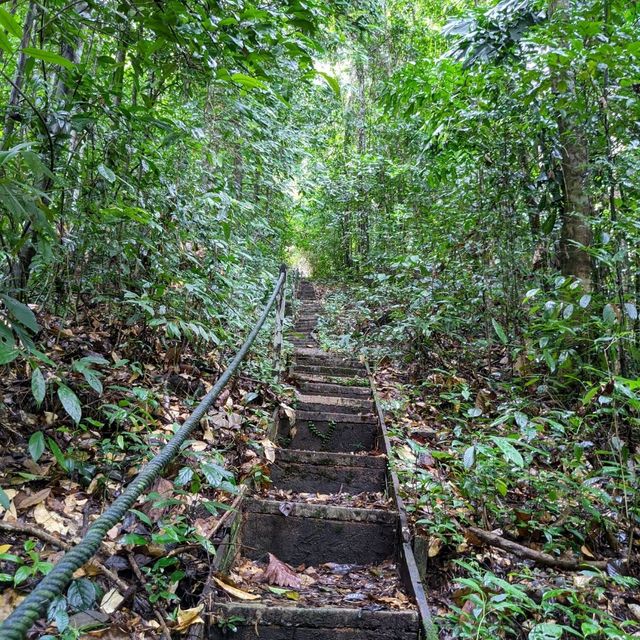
4	499
331	81
5	43
469	457
631	310
21	313
502	487
522	419
184	476
248	81
36	445
143	517
499	331
585	300
609	314
57	612
106	173
48	56
509	451
38	385
7	354
10	23
549	359
58	455
70	402
81	594
22	574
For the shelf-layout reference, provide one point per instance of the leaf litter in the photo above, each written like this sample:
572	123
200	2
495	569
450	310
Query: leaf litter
367	587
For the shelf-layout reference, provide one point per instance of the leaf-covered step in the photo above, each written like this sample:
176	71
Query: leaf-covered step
326	406
338	417
310	386
329	370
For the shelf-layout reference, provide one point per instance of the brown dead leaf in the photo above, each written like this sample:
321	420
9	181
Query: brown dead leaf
49	520
234	591
280	574
435	546
426	460
188	617
164	488
111	601
289	412
269	450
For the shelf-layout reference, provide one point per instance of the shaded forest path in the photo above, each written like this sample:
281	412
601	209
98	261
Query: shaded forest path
331	514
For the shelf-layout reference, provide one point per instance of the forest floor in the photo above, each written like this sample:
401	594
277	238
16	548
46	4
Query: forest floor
506	526
524	519
59	476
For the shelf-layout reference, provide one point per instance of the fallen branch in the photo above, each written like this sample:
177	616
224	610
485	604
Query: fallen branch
30	530
538	557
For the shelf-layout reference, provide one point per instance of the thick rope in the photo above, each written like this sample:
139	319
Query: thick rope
16	626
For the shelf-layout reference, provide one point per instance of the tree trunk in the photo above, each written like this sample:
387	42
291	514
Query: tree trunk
575	235
577	210
18	80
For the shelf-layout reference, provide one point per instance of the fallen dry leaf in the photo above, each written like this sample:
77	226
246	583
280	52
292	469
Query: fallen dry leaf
234	591
435	545
33	499
280	574
49	520
188	617
269	450
4	548
111	601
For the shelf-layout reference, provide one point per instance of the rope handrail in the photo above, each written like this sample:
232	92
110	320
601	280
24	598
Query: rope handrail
18	623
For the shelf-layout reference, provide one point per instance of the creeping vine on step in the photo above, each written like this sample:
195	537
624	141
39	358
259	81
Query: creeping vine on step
325	437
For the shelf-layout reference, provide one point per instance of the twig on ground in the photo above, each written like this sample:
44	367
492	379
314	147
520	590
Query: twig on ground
538	557
159	614
30	530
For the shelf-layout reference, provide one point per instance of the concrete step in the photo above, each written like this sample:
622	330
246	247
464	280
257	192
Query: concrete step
329	408
339	437
293	622
309	386
313	471
331	371
311	534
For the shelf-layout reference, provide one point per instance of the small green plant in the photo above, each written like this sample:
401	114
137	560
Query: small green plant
229	624
325	437
26	568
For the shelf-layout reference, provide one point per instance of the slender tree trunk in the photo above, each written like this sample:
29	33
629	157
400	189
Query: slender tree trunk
18	79
577	210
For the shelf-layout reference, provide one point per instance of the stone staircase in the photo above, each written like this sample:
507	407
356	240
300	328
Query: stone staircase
331	508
